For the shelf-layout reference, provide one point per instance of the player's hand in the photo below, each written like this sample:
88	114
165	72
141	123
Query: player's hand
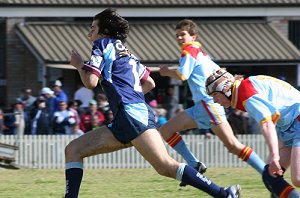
275	168
164	69
76	59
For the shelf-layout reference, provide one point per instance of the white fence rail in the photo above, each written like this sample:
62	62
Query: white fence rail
47	152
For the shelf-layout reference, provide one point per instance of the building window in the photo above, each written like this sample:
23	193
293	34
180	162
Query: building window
294	32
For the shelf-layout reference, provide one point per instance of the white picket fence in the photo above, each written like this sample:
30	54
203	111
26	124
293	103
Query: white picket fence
47	152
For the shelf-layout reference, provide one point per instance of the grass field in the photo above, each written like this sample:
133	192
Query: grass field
123	183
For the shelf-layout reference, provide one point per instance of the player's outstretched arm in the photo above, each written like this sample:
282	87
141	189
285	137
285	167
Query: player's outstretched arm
168	71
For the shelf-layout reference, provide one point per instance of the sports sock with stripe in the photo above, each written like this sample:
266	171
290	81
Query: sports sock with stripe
177	143
251	158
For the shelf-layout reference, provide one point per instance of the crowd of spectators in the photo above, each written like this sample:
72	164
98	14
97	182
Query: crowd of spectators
52	112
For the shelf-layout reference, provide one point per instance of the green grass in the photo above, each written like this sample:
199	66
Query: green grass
122	183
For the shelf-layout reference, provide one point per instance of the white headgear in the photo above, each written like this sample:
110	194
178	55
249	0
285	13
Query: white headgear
220	81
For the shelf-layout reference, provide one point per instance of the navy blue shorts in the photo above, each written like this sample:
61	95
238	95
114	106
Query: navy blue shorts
131	121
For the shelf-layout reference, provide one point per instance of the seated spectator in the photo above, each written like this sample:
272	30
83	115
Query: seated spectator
41	118
86	118
63	119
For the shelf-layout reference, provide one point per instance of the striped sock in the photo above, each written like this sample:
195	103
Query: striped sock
251	158
177	143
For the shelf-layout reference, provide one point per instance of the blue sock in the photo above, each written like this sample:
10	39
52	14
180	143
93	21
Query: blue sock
190	176
249	156
177	143
74	173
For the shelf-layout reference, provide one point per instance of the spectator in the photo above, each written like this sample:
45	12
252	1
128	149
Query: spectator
60	94
28	100
96	122
86	118
50	99
237	121
76	130
84	95
80	110
73	106
103	105
41	118
253	126
2	126
170	102
63	119
16	122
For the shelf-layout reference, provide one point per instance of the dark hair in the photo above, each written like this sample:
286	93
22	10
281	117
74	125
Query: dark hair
110	23
190	26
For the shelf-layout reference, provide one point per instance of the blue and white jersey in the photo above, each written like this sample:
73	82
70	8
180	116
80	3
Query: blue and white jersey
121	72
195	67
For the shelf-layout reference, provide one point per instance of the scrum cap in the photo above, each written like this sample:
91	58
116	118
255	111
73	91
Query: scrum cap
219	81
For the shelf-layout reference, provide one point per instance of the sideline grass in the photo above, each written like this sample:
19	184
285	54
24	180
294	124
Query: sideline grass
122	183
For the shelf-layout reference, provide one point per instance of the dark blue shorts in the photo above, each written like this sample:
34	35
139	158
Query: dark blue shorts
132	120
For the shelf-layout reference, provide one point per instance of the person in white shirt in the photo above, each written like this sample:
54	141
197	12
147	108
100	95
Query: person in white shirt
84	95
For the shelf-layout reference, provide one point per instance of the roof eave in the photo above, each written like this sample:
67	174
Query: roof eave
290	62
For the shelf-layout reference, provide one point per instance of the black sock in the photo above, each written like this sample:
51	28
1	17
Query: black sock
73	181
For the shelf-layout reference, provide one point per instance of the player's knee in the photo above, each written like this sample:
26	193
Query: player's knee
71	150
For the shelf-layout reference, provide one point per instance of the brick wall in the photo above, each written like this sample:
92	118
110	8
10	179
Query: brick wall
281	23
21	66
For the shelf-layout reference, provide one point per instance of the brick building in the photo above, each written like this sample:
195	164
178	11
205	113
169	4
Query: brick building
247	37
